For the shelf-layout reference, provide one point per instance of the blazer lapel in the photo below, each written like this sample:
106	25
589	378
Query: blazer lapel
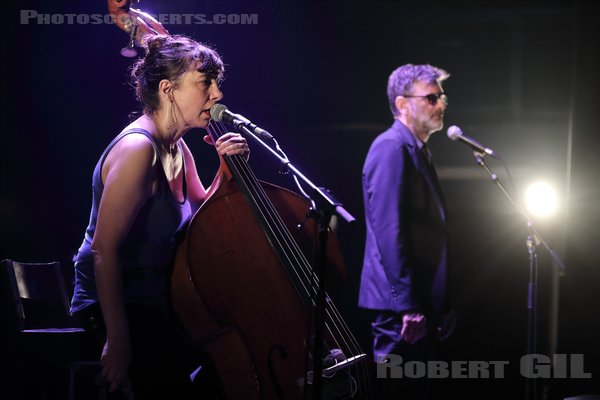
426	169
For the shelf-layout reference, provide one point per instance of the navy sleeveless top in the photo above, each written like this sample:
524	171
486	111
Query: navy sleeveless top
147	251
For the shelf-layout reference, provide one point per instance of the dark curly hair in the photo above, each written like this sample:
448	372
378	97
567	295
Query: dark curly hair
169	57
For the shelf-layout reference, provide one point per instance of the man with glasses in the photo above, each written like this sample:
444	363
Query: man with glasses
404	269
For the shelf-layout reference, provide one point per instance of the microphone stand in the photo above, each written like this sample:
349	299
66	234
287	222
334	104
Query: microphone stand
324	205
533	240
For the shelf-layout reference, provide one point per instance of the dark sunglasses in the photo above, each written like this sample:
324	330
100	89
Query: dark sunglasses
433	98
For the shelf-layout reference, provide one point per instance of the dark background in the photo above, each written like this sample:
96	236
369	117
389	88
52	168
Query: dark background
524	82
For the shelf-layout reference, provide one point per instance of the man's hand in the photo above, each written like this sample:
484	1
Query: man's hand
414	327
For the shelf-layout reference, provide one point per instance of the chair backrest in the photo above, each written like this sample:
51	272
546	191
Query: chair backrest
38	294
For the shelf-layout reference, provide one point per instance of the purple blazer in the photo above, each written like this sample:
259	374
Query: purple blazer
404	265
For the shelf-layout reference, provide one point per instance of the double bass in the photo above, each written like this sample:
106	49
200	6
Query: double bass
243	282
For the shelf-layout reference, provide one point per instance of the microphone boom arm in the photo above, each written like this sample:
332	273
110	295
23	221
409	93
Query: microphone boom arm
288	166
537	237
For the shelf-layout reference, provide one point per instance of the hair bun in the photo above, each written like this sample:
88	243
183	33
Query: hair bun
152	43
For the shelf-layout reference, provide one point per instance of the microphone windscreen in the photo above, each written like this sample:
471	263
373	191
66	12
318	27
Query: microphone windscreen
454	132
216	112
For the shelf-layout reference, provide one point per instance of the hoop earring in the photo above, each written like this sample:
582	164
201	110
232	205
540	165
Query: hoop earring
172	112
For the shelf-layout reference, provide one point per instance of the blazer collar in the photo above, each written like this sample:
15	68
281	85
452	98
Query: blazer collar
409	138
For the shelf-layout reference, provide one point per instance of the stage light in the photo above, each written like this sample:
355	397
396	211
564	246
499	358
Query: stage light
541	199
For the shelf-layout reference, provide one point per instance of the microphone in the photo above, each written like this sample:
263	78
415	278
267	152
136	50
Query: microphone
455	133
219	112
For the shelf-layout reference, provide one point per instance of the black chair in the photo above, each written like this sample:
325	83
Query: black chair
47	340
